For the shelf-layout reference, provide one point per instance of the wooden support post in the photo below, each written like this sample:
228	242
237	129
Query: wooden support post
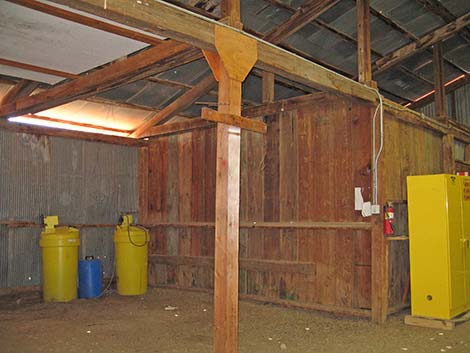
363	43
439	95
267	87
448	156
236	56
467	153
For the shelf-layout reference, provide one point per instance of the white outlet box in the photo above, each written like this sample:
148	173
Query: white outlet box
375	209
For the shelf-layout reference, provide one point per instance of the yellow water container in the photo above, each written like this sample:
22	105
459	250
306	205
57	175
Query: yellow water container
59	261
130	244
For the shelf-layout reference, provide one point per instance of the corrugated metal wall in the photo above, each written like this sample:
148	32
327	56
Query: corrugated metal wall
462	105
81	182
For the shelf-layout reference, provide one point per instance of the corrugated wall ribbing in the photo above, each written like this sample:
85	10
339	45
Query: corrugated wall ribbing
462	105
82	182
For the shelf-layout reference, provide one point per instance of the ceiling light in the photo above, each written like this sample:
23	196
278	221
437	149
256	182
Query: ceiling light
30	120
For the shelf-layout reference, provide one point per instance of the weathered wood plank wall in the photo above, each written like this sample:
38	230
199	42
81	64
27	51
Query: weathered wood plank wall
408	150
304	169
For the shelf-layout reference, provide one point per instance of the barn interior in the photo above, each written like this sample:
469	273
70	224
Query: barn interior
261	149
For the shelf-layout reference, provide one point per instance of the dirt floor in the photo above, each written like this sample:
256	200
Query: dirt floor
141	324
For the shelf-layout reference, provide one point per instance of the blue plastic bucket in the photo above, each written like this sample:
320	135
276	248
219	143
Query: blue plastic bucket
90	278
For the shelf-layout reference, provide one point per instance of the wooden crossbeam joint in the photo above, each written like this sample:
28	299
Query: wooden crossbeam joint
234	120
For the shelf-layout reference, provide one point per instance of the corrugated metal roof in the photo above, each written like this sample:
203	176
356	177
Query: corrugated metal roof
456	50
412	16
456	7
261	16
326	41
402	84
190	73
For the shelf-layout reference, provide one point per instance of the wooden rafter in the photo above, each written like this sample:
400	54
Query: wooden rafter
398	27
180	104
86	20
165	19
422	43
437	8
36	68
178	127
22	88
347	37
305	14
187	86
146	63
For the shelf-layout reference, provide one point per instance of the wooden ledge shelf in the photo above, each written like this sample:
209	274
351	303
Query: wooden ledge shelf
268	225
305	268
398	237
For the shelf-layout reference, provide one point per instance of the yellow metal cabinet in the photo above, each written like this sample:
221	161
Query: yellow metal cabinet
465	181
439	225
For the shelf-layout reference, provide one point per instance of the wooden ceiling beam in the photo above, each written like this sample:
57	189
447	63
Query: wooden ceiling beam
178	127
22	88
180	104
437	8
35	68
396	26
145	63
88	21
161	18
422	43
306	13
347	37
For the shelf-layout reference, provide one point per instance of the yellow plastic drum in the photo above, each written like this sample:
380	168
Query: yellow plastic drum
131	243
59	261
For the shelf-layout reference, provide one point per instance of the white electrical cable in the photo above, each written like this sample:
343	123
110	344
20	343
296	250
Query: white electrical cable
376	155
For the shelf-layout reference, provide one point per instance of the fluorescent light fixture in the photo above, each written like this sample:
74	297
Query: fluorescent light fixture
37	121
433	91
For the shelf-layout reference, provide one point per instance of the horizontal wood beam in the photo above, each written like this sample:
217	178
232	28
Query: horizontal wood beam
178	127
245	264
145	63
424	42
412	117
335	309
284	105
161	18
268	225
79	135
88	21
305	14
440	10
22	88
234	120
43	70
180	104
